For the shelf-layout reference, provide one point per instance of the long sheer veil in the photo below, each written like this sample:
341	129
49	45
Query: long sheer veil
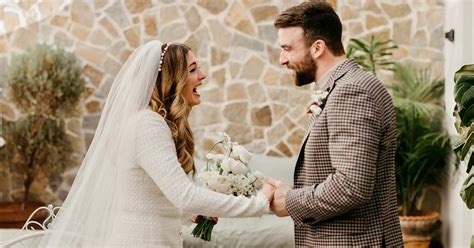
88	213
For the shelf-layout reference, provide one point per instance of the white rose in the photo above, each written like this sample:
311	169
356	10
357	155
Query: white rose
242	154
220	183
234	166
2	141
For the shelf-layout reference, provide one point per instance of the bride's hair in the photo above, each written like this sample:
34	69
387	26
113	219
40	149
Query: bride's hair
167	100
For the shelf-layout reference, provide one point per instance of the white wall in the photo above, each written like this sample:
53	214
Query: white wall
457	218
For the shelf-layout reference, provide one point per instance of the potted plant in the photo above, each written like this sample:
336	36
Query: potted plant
423	148
45	84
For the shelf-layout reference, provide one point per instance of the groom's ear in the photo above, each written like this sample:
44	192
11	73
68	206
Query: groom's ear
317	49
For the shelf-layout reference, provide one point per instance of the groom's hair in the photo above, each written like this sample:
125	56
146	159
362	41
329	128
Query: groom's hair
319	22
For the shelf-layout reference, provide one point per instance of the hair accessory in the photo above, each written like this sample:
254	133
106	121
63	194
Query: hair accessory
163	55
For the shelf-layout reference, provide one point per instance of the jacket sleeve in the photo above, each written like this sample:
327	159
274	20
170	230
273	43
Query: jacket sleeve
156	154
354	129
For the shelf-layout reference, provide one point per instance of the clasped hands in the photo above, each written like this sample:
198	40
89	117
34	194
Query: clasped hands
276	191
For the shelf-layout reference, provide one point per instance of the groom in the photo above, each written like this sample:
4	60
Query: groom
344	191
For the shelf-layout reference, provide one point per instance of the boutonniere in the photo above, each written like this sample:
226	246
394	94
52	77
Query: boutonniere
318	100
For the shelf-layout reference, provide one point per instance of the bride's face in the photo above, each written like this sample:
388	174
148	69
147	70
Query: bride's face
195	76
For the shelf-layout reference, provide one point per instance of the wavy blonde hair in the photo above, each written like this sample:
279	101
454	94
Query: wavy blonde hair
168	101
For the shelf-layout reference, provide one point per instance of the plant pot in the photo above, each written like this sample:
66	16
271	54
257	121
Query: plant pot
417	229
14	215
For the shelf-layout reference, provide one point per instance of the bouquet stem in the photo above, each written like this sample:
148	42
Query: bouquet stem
203	230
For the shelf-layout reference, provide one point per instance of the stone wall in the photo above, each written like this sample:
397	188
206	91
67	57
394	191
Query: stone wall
246	94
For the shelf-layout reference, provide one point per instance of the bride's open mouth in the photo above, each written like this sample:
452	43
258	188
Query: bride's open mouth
195	92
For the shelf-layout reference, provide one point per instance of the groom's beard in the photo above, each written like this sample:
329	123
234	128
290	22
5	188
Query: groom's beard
307	72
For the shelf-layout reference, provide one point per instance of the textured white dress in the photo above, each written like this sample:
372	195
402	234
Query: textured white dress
155	192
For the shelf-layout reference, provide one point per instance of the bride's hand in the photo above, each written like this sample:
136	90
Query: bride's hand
268	190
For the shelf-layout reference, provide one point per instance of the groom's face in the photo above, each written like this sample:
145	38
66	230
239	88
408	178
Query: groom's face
295	55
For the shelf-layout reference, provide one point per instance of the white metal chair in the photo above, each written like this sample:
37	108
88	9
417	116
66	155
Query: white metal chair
32	229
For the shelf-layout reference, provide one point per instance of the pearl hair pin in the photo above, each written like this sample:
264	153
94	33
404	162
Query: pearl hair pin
162	55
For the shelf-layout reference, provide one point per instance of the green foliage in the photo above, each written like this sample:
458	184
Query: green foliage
46	84
45	80
423	146
464	113
372	55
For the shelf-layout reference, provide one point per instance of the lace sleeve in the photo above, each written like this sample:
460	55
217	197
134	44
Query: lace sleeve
156	154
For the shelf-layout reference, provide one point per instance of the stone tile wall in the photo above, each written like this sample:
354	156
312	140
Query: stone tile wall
246	94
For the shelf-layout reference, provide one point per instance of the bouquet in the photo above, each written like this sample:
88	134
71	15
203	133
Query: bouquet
229	174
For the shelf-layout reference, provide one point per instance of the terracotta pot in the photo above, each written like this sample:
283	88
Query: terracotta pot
417	229
14	215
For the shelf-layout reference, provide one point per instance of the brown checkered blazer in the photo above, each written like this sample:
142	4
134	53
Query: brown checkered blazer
345	191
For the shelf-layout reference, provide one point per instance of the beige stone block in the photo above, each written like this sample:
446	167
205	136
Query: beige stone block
261	116
396	10
257	93
98	38
81	13
95	75
234	69
105	86
118	14
94	55
205	114
258	133
236	91
400	52
283	148
355	28
3	46
24	38
212	95
274	55
239	133
435	18
372	6
287	79
275	134
111	66
380	35
295	139
236	112
193	20
252	3
373	21
109	26
88	91
99	4
252	69
136	6
149	23
220	34
168	14
264	13
238	19
218	76
215	7
80	32
93	107
218	56
74	125
271	76
402	32
124	54
288	123
347	13
273	153
279	111
173	32
132	35
11	21
117	47
59	20
135	19
420	39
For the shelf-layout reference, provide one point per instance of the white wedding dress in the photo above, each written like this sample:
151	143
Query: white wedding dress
155	191
130	190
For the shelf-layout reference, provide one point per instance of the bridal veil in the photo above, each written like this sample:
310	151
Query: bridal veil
88	213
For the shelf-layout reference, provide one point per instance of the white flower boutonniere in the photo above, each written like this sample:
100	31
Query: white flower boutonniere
318	100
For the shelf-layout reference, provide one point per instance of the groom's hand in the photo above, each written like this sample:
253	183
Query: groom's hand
268	190
278	205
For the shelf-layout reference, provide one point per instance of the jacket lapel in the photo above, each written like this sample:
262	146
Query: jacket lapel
340	71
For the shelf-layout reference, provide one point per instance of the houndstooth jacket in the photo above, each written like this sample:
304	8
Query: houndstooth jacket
345	191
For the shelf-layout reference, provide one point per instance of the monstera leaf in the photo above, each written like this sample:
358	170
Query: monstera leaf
464	112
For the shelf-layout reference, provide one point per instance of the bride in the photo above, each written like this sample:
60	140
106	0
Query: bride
132	188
